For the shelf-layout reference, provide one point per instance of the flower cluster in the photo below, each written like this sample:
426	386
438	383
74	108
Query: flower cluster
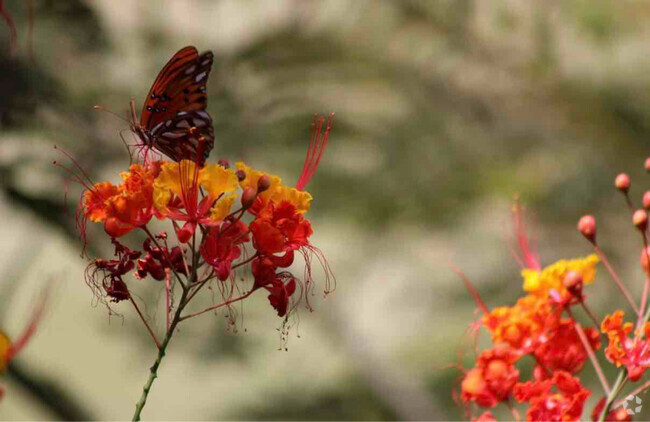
542	328
225	221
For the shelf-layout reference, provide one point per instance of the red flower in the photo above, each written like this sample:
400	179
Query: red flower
281	286
112	271
563	350
616	415
222	246
545	405
485	417
158	260
280	228
492	379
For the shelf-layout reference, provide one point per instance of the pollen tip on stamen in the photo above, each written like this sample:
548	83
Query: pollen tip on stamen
263	183
248	197
647	164
640	219
622	182
587	226
224	163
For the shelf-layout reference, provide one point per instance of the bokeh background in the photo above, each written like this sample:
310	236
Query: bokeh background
445	111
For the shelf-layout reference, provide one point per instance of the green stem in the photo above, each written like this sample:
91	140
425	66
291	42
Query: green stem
153	373
622	375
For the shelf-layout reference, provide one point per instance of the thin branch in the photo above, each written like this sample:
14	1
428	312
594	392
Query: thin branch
146	324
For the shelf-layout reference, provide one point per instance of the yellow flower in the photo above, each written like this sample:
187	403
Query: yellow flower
183	180
222	208
277	192
551	277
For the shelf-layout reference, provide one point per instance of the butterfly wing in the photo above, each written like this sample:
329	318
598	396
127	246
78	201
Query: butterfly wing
177	99
187	135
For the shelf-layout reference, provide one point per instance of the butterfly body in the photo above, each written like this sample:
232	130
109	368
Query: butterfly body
174	120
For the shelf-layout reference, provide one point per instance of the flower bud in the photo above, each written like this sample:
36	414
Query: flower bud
263	183
248	198
646	200
645	264
241	175
573	283
635	373
647	164
622	182
224	163
587	226
640	219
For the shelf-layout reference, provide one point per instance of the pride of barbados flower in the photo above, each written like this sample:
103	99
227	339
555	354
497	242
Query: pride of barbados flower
543	327
224	222
540	327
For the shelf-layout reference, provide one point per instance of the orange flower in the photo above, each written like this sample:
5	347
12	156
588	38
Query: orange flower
125	207
634	353
492	379
521	325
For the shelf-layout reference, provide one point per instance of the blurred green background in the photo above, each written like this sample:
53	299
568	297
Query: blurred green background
445	110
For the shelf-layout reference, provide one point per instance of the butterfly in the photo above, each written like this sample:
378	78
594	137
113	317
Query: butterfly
174	120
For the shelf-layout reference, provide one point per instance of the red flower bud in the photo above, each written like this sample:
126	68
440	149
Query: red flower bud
263	183
646	200
573	283
645	264
248	198
622	182
587	226
640	219
241	175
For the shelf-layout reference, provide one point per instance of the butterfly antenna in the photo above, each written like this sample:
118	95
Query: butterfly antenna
133	115
111	112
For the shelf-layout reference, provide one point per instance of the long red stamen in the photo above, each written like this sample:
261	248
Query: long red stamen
470	288
18	345
317	144
529	257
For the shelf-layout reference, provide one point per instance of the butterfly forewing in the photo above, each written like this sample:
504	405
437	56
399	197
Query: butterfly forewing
177	100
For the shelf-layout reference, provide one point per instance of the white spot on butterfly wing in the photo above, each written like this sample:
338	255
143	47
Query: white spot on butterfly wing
173	135
199	122
200	76
184	124
190	70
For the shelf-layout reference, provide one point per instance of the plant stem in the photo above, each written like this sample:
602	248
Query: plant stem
153	373
613	393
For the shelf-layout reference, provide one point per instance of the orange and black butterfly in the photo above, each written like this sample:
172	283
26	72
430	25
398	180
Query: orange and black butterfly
174	120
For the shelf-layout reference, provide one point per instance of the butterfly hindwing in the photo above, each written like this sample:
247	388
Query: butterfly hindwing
181	136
